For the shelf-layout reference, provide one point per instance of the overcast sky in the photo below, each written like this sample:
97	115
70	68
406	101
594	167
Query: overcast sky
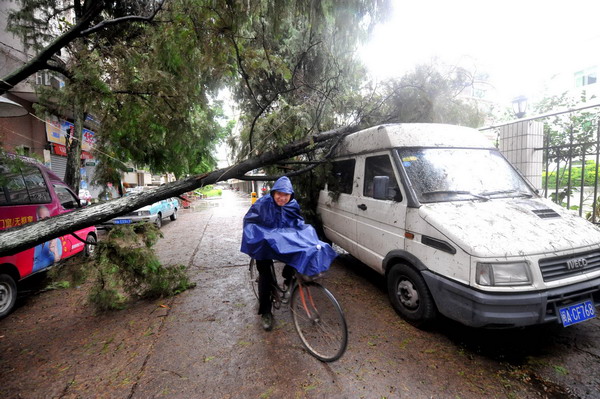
517	42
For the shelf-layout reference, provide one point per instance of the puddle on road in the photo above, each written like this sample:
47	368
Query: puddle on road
200	205
206	204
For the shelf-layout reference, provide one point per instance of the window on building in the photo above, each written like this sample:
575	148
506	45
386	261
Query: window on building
586	77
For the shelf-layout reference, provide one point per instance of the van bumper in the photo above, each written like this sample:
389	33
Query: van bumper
506	310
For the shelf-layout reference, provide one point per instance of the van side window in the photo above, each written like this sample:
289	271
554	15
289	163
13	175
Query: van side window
36	185
23	187
380	181
342	176
66	198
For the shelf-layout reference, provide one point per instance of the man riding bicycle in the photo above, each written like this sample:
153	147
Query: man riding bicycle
275	229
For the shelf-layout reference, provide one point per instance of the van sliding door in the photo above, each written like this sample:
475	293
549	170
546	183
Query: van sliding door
337	204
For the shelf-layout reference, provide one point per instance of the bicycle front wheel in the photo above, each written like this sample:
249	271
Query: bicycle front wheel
319	321
253	277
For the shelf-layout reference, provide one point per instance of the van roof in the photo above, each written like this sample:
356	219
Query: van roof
412	135
35	162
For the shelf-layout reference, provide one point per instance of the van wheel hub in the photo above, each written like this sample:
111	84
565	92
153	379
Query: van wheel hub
4	296
407	294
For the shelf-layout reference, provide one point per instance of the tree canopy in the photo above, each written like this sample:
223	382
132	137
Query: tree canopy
149	73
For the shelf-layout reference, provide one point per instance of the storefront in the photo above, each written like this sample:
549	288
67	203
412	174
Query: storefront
56	132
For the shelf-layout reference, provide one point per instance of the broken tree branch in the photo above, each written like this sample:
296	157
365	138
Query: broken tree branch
20	238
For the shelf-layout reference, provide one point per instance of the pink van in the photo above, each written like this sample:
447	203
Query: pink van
29	192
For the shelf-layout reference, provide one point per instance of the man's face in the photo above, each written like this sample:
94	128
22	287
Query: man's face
281	198
43	213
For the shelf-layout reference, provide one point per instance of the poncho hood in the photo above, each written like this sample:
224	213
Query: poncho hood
283	185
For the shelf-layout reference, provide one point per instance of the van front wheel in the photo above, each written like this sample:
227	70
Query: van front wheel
8	294
410	296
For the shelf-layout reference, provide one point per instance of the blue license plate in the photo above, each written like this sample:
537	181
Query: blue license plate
577	313
122	221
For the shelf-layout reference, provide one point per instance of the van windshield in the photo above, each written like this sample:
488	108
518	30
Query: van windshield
461	174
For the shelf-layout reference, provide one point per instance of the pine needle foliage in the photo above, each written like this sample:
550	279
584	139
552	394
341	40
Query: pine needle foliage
125	268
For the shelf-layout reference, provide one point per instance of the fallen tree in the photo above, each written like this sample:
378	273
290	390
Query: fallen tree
20	238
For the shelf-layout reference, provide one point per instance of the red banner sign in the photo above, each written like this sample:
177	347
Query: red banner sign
62	151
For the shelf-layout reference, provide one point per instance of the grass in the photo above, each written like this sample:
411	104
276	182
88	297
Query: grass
209	191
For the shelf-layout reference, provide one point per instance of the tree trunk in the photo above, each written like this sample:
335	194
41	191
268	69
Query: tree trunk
73	172
20	238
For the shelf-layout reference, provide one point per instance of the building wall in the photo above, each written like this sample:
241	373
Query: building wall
12	51
25	131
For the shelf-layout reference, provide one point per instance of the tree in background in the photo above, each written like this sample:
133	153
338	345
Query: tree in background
572	127
431	93
570	137
151	82
74	28
295	63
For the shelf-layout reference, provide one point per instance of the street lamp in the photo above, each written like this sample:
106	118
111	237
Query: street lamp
10	108
519	105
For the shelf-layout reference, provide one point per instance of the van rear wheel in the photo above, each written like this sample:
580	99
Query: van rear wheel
8	294
410	296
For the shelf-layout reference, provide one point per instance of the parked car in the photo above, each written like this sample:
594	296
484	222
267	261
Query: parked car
30	192
457	230
154	213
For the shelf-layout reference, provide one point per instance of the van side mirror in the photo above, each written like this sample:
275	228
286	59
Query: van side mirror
69	205
380	187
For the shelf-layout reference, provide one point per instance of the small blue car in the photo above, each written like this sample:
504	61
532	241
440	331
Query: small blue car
154	213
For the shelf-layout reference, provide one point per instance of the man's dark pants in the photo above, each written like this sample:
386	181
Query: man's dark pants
266	281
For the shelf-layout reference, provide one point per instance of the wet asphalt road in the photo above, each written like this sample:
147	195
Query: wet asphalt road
207	342
212	344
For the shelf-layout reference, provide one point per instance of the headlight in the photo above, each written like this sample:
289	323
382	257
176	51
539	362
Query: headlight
503	274
143	213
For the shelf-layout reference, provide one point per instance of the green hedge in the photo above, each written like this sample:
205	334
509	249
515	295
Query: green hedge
589	178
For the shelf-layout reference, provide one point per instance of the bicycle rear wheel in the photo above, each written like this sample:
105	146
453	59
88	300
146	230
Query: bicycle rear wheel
253	276
319	321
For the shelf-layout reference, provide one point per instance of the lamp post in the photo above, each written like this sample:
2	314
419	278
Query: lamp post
10	108
519	105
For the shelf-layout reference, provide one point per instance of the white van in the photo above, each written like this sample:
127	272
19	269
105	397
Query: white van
457	230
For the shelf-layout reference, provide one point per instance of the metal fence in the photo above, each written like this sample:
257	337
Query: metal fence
571	156
570	176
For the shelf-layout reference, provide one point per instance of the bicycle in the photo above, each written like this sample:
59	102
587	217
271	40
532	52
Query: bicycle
317	315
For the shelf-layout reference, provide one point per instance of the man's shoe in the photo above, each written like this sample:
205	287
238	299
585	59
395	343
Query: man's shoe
267	321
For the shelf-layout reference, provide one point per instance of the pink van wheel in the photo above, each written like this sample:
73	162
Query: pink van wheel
8	294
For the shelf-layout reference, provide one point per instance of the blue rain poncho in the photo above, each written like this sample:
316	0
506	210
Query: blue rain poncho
279	232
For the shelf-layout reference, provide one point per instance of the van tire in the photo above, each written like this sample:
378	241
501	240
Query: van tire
174	215
158	221
8	294
410	296
90	248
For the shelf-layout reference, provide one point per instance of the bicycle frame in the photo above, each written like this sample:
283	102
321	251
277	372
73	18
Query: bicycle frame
305	292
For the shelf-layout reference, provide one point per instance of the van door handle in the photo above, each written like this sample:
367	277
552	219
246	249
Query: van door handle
362	207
